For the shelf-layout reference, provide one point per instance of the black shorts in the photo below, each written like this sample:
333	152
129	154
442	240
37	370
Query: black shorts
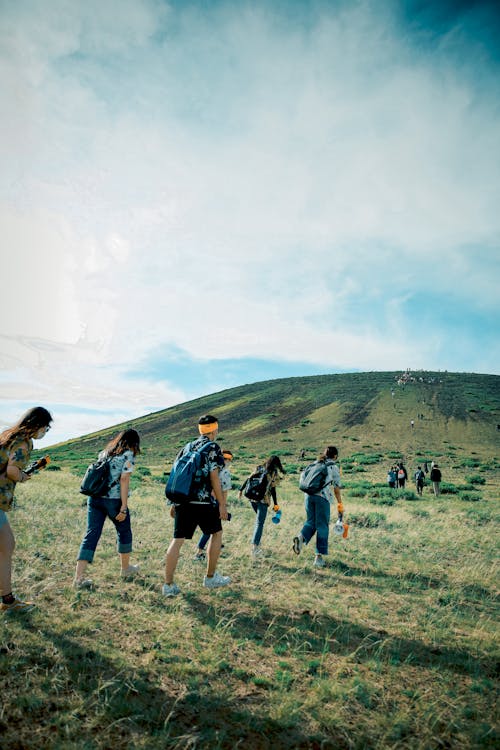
191	515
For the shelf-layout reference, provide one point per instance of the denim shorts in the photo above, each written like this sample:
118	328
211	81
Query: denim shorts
3	518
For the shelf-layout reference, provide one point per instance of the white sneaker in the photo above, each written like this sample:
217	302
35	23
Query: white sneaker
130	572
216	581
257	552
170	589
319	563
298	543
200	557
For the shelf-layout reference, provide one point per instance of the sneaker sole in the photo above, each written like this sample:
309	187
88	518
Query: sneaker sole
297	545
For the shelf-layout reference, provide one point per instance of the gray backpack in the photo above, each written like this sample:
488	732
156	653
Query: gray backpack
313	478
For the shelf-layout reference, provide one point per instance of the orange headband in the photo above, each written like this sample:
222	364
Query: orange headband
205	429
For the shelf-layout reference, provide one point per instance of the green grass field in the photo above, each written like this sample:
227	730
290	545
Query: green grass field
392	646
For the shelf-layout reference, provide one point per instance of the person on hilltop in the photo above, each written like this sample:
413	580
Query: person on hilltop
120	452
419	480
267	476
206	509
225	484
435	478
317	508
16	444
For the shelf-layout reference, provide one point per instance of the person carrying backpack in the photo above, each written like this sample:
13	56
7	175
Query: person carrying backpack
317	507
260	489
225	485
112	503
202	503
402	475
419	480
16	444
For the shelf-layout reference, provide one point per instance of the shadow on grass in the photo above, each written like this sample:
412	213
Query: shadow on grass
323	632
92	701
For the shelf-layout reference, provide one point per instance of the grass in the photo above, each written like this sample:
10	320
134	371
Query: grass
394	645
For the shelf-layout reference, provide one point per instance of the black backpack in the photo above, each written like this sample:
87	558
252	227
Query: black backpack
256	485
96	480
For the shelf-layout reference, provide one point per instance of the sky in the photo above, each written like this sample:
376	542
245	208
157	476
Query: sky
196	195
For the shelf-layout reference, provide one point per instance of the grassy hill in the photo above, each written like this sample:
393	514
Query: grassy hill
393	645
359	412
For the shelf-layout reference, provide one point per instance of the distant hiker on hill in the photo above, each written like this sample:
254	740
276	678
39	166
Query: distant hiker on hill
419	480
204	507
426	468
120	453
436	479
402	475
412	423
260	489
225	484
302	454
16	444
317	507
392	477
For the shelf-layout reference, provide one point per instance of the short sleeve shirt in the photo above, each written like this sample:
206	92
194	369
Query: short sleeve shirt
18	455
124	463
225	479
213	460
333	478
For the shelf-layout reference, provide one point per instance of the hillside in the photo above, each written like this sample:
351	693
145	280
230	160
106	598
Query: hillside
455	414
393	645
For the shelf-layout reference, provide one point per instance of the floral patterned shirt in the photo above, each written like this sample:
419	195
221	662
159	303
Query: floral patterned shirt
17	454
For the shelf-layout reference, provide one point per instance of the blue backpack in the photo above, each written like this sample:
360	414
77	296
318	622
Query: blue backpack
186	475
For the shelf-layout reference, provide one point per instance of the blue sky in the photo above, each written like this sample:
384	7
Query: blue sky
196	195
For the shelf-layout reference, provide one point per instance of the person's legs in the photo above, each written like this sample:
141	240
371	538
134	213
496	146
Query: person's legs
213	553
96	515
203	541
172	559
322	525
261	512
310	526
7	546
123	535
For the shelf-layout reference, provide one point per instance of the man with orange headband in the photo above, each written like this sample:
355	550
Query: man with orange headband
203	511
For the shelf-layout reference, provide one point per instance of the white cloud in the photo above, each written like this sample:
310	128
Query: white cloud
293	181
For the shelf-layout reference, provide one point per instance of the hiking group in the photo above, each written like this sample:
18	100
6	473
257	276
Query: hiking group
397	477
196	491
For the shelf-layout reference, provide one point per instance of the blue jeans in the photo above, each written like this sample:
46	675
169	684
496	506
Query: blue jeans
317	522
98	509
203	541
261	511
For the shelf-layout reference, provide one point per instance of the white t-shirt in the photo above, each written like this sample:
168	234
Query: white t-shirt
225	479
333	478
118	465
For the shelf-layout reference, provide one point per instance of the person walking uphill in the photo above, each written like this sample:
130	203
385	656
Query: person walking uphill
318	508
16	444
435	478
113	504
267	477
205	507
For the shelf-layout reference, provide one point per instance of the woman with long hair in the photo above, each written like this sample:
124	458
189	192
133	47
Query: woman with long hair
120	452
272	473
16	444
